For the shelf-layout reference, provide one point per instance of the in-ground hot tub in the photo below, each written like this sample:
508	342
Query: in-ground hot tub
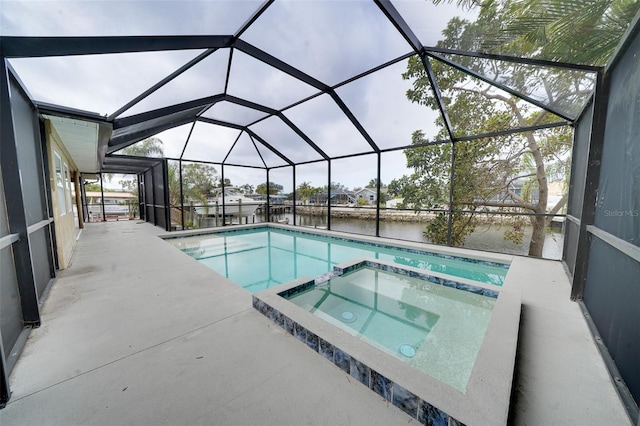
441	350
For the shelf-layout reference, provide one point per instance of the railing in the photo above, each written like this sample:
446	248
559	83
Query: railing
210	215
96	212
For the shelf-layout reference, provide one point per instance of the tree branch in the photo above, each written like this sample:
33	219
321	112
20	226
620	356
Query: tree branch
518	177
558	206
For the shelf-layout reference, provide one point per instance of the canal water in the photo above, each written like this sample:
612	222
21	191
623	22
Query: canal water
485	237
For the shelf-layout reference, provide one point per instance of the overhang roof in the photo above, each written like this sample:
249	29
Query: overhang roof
80	139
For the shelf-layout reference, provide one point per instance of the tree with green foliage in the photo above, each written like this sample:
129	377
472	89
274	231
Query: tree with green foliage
92	187
246	188
133	204
149	147
577	31
373	183
306	191
274	188
336	186
486	170
199	182
227	183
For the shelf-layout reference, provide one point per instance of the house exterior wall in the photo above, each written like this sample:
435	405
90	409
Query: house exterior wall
368	195
62	172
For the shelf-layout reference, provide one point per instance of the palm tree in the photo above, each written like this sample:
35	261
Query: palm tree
556	29
149	147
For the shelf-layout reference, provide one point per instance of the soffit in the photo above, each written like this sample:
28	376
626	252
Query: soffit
80	138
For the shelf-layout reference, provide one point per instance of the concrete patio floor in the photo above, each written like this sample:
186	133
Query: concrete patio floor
135	332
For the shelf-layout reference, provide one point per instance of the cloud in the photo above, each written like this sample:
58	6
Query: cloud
380	103
237	114
258	82
428	20
109	17
210	143
275	132
325	123
97	83
329	40
204	79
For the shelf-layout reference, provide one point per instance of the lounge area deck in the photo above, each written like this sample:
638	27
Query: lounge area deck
135	332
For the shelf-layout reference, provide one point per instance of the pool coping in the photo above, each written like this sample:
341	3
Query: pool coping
487	397
407	245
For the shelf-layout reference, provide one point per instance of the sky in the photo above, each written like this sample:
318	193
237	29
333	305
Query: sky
330	40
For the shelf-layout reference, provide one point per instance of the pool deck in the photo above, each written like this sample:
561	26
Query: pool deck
135	332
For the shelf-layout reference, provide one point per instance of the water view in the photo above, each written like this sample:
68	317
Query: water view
486	237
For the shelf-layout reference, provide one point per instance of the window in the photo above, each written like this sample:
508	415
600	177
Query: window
67	187
62	204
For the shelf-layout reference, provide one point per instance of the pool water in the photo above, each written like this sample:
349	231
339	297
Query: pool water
262	258
431	327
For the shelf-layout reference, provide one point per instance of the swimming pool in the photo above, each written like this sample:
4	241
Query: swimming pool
278	255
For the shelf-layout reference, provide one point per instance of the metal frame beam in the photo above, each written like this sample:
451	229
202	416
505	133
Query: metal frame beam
401	25
125	139
161	83
224	160
33	47
592	180
276	113
250	132
372	70
514	59
267	145
220	123
228	76
66	112
5	389
128	164
438	95
258	151
263	56
302	135
167	205
47	202
346	111
268	201
165	111
329	195
248	104
500	86
181	194
293	178
379	193
452	180
16	215
263	7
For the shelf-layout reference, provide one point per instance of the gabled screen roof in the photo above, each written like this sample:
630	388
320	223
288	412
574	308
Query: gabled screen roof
282	82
